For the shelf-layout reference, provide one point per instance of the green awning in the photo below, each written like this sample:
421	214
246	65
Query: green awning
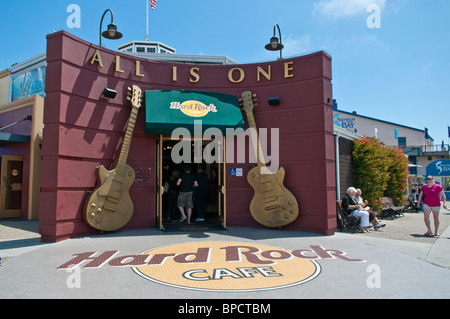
8	139
170	109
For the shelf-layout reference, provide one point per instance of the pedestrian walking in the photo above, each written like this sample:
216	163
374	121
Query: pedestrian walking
187	182
431	203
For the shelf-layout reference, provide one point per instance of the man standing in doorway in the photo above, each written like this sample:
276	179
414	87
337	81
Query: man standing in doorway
187	182
202	193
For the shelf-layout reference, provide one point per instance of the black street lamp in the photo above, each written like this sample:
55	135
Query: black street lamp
112	32
275	44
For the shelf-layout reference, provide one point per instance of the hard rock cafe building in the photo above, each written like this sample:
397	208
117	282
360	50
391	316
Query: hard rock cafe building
89	120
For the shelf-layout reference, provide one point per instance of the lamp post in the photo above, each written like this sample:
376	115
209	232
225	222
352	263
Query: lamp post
275	43
112	32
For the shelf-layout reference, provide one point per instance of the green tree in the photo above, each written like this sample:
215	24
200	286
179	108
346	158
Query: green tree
379	171
371	169
398	174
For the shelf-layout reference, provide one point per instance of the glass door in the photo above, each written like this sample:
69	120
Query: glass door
165	168
159	187
221	192
11	186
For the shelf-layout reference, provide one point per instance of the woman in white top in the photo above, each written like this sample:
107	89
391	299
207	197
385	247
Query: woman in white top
372	217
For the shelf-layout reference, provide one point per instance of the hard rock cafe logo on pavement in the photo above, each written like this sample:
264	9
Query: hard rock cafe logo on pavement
218	266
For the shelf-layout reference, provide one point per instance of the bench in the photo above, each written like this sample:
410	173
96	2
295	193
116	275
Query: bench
350	223
388	209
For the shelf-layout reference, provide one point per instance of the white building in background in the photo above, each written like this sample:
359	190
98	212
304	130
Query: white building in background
146	47
160	51
426	158
391	134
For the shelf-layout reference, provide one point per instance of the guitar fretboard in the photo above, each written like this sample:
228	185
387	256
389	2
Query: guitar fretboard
121	163
255	139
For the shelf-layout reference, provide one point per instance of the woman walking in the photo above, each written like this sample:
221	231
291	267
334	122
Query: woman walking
431	203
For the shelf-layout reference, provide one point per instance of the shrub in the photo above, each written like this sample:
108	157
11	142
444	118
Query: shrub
379	171
398	174
371	162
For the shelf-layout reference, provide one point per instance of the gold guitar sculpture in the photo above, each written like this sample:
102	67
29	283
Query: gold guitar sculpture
272	205
109	207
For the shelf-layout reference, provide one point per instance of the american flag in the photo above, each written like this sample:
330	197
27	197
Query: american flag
153	4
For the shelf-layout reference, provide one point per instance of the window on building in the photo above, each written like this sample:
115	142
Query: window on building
402	141
151	50
446	184
140	49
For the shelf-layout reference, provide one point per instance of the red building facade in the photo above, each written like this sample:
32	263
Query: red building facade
83	129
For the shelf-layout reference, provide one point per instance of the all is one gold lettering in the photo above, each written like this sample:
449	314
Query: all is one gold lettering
267	75
118	69
241	75
235	75
288	68
138	69
195	77
97	58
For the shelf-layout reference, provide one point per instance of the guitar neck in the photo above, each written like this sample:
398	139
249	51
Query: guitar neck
121	163
255	139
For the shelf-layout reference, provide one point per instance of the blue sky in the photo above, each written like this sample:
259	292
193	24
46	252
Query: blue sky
399	72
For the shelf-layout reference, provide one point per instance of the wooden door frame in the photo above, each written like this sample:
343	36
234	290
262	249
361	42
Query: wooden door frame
4	212
159	187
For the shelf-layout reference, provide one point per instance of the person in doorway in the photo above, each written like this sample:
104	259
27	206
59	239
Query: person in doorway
186	182
432	203
372	215
172	195
352	208
201	194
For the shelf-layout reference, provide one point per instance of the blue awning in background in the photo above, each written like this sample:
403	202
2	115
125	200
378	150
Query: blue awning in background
8	139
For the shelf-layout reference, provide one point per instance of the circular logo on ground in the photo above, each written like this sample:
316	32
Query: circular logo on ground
226	266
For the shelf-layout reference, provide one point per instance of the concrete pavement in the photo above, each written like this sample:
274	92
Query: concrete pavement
395	262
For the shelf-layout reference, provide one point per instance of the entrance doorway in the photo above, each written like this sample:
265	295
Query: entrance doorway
167	212
11	186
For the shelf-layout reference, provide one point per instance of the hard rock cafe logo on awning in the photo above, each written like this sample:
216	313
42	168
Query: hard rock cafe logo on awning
193	108
218	266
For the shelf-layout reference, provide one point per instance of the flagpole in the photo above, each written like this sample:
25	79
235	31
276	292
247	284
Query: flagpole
146	36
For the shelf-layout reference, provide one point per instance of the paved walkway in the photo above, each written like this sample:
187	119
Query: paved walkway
394	262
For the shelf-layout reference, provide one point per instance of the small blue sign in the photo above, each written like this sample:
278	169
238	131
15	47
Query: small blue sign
236	172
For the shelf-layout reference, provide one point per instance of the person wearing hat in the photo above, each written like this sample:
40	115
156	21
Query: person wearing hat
187	182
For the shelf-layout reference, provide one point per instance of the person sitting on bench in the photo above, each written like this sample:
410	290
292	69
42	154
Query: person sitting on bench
352	208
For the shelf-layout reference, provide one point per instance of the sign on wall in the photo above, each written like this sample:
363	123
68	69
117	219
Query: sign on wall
439	168
345	121
167	110
28	84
